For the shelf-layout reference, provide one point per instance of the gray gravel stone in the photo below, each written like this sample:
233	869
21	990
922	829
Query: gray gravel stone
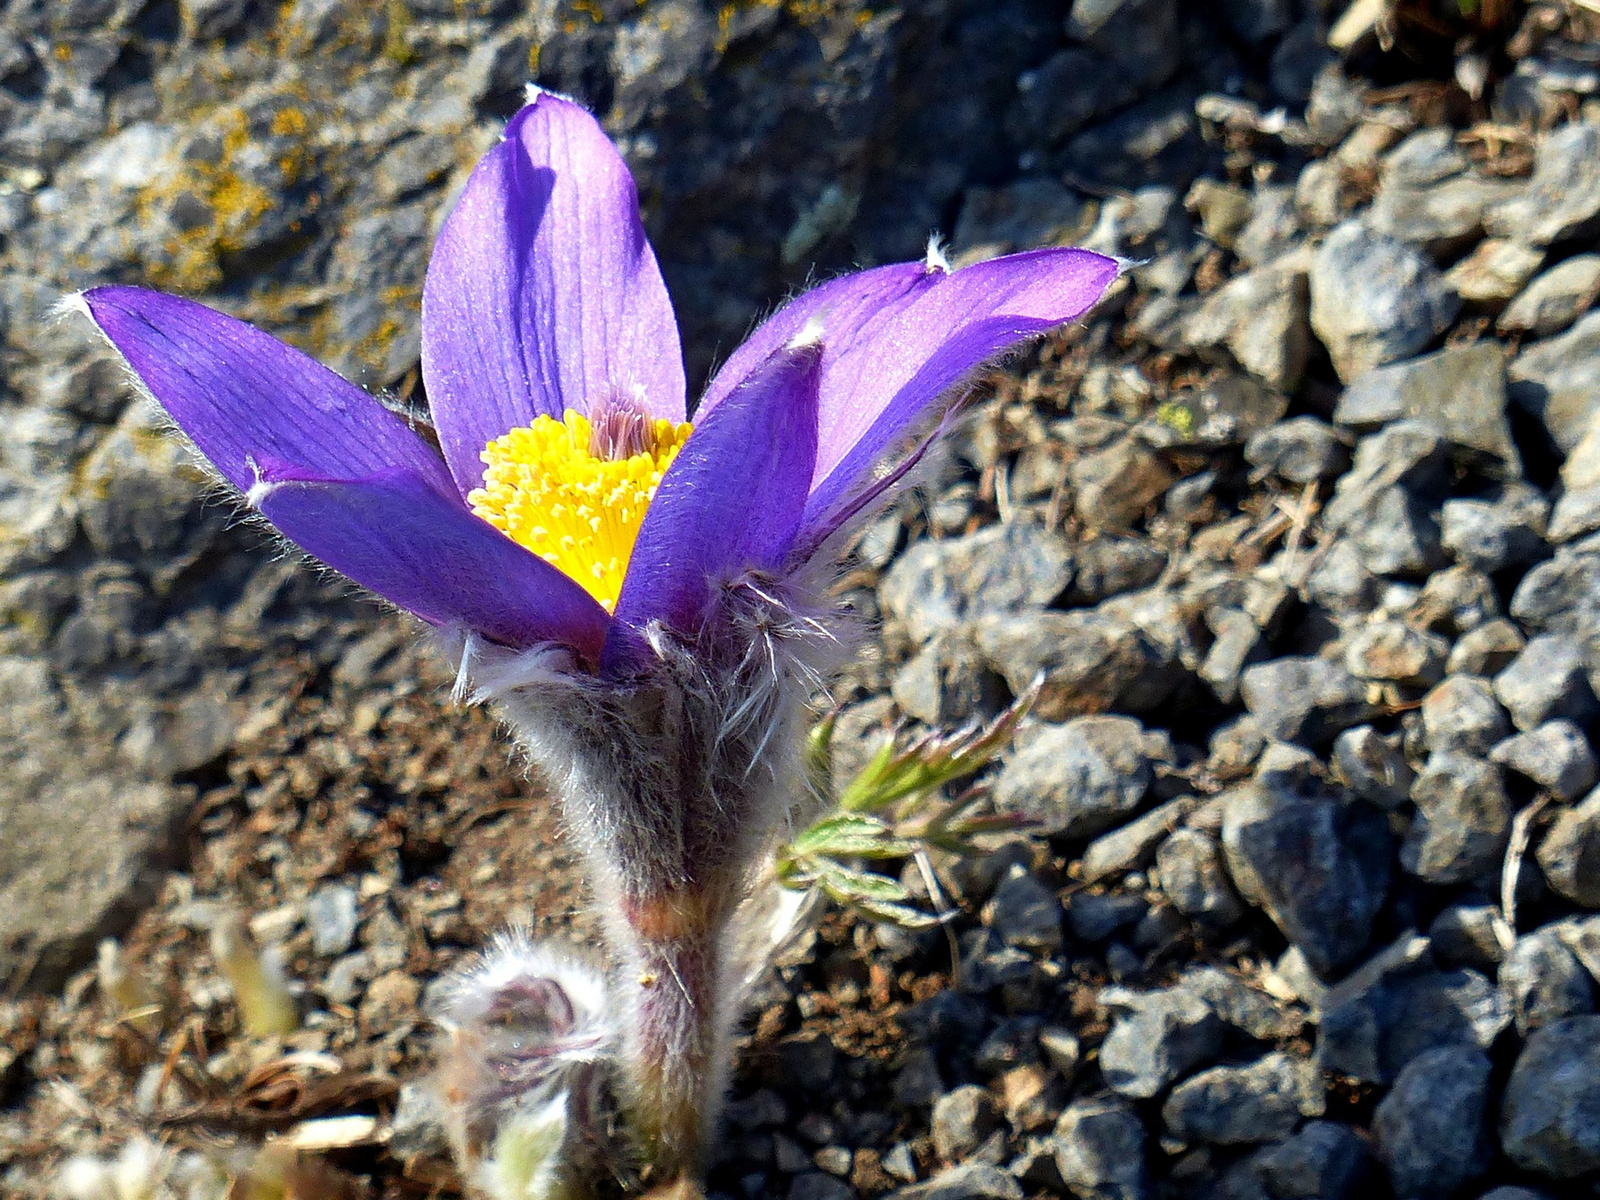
936	585
1544	982
1486	650
1340	581
1548	680
1091	661
1370	766
1191	873
1384	505
1375	300
1555	755
944	682
1470	935
1570	852
1133	846
1260	1102
1237	643
1114	486
1394	650
1246	1008
1456	600
1272	228
1260	317
1431	1128
1318	866
1326	1160
1427	196
1562	200
1160	1038
1025	913
1301	450
1555	299
1462	716
1493	534
1111	565
332	918
1461	391
961	1120
1550	1113
1555	380
1094	918
1462	823
1100	1150
1495	271
1078	778
1396	1006
969	1181
1305	700
1576	513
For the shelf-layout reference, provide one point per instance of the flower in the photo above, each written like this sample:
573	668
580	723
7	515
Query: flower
632	587
543	299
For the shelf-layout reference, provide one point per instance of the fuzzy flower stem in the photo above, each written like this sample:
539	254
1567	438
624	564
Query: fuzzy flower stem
674	1041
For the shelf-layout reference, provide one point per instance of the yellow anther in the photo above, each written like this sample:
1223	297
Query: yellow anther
546	488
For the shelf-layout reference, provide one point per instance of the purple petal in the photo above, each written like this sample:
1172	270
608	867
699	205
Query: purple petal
543	293
243	396
891	378
419	548
731	500
899	338
849	308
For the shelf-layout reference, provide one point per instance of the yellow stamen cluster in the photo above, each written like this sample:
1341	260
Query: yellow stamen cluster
547	489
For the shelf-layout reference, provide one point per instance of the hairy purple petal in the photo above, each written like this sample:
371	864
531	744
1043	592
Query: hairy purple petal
731	500
543	293
851	308
418	547
934	343
901	337
243	396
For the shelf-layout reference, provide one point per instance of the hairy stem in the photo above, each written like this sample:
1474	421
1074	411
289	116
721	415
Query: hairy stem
674	1046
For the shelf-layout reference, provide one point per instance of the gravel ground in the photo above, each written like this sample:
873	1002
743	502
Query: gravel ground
1302	532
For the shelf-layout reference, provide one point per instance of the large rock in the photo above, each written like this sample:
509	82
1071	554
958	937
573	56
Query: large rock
1100	1150
1079	778
1260	317
935	586
1557	381
1091	661
1562	200
1397	1006
1555	299
1305	700
1259	1102
1161	1037
1460	390
82	846
1462	823
1431	1128
1386	505
1375	300
1570	852
1550	1114
1318	865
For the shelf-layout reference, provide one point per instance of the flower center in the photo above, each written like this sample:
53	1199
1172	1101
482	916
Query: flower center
575	492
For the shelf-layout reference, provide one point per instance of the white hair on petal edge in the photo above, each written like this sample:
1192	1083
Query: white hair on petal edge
935	260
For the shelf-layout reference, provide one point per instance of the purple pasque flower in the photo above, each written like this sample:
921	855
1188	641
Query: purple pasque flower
543	297
632	588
